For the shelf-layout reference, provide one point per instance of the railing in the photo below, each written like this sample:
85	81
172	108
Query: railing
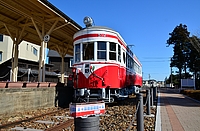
151	95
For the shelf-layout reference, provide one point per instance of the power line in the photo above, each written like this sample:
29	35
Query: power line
156	57
156	61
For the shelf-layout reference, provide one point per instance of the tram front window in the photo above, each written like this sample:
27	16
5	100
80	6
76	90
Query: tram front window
112	52
101	50
77	53
88	51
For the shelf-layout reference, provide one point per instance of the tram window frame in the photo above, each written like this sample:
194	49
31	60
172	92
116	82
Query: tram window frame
119	53
112	51
88	51
131	63
77	52
124	56
101	50
139	70
126	59
136	67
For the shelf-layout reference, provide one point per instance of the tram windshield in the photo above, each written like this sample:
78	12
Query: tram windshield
88	51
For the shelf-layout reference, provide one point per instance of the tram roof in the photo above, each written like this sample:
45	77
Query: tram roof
106	28
99	27
19	18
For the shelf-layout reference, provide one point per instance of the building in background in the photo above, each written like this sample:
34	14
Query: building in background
56	61
27	51
154	83
28	61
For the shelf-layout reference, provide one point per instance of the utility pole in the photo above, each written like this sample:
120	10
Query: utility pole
171	78
149	80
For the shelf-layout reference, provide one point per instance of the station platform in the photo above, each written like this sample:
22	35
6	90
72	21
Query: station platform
177	112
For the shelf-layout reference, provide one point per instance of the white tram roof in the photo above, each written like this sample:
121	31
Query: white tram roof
98	28
86	30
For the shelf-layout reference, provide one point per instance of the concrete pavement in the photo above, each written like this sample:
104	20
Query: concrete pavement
177	112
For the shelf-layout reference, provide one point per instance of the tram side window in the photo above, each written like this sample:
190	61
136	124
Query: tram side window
131	66
101	50
119	53
88	51
124	57
128	61
112	52
77	52
136	67
140	70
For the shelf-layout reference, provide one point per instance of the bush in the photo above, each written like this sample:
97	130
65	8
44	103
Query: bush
191	93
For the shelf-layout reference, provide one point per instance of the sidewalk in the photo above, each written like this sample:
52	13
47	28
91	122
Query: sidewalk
177	112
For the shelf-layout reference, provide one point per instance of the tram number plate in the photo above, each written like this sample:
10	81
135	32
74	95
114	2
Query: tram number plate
102	35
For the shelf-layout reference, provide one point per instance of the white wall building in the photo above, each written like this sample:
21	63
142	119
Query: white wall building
27	50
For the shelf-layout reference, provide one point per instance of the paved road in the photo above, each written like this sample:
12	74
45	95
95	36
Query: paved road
178	112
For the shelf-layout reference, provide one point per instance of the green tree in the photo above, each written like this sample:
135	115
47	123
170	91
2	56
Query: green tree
179	38
174	79
194	60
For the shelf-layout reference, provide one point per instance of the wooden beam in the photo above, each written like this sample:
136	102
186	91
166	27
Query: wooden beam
38	31
9	32
12	6
60	26
52	27
41	6
42	15
53	19
22	31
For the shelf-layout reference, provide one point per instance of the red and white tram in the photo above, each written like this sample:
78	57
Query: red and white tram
104	67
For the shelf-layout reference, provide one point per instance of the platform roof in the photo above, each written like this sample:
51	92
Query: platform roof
21	18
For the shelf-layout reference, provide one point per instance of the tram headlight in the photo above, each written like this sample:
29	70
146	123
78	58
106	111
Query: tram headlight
88	21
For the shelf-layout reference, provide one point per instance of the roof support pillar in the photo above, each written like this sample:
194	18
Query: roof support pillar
15	62
41	74
15	52
41	70
62	69
16	42
44	59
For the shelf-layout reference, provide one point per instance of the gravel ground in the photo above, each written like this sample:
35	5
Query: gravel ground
119	117
122	117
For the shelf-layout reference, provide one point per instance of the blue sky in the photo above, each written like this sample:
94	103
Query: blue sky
143	23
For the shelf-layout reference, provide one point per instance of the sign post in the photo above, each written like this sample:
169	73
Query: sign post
86	115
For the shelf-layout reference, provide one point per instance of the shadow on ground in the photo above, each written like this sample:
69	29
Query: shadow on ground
173	97
63	95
